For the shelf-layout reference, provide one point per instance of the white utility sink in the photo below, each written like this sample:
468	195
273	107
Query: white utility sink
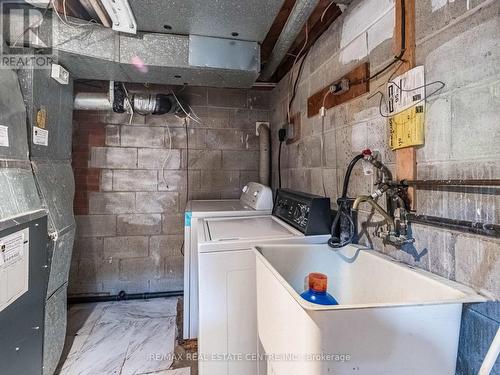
391	318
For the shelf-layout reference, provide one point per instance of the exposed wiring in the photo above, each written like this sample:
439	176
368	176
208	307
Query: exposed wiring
292	85
402	51
65	21
194	113
382	97
324	101
129	105
279	164
184	110
326	10
396	58
294	91
168	157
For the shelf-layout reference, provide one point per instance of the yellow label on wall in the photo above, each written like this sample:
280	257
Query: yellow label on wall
407	128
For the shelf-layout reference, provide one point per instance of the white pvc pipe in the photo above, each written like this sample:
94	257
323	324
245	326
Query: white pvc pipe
491	356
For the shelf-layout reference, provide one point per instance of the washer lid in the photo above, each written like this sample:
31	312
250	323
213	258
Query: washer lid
243	228
218	205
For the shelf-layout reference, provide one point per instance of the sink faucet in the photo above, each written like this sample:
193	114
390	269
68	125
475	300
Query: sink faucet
396	220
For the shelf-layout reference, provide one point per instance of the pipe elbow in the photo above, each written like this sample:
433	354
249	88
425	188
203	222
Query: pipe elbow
359	200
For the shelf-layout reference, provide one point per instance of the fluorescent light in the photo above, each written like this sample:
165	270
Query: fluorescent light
121	15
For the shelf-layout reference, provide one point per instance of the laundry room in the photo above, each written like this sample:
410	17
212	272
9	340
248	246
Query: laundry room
256	187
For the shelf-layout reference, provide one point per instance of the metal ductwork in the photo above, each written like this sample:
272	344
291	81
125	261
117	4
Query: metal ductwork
296	21
119	100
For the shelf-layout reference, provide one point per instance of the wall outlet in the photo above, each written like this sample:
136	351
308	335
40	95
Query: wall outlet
293	129
258	124
290	131
60	74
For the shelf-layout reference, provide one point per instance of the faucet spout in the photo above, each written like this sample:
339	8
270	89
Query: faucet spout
376	206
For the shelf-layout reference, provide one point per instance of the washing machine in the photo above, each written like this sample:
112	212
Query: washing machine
256	199
228	342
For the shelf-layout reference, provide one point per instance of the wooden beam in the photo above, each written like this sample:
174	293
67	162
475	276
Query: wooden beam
406	158
274	32
316	27
361	85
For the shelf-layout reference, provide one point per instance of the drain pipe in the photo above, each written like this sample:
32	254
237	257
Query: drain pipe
264	154
296	21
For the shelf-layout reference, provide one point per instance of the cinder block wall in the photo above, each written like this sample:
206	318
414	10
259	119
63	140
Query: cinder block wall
457	42
131	190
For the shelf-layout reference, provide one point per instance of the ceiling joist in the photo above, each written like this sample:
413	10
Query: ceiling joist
320	20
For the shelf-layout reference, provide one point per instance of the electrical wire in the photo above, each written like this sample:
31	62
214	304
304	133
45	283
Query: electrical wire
292	85
65	21
184	110
279	164
168	157
326	10
382	97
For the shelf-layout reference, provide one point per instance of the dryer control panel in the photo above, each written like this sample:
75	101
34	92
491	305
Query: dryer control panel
308	213
257	196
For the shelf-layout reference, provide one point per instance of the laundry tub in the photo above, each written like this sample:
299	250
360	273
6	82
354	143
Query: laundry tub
392	319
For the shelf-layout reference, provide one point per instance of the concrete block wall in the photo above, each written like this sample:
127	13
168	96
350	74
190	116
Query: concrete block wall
131	189
457	42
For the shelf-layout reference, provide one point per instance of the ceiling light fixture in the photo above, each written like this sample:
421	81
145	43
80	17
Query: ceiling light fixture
121	15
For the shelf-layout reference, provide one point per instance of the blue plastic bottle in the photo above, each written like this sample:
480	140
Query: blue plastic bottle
317	293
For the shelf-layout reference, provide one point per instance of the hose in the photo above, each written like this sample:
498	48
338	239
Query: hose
344	210
348	174
337	242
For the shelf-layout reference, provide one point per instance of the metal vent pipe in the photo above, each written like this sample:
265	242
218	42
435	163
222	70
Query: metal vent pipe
296	21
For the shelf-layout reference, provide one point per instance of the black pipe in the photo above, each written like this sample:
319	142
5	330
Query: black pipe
122	296
463	182
484	229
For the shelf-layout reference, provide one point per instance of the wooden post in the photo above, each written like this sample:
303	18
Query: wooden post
406	158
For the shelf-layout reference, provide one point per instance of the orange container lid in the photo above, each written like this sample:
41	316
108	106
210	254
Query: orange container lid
318	282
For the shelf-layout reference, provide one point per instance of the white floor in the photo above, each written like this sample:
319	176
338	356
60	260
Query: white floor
121	338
